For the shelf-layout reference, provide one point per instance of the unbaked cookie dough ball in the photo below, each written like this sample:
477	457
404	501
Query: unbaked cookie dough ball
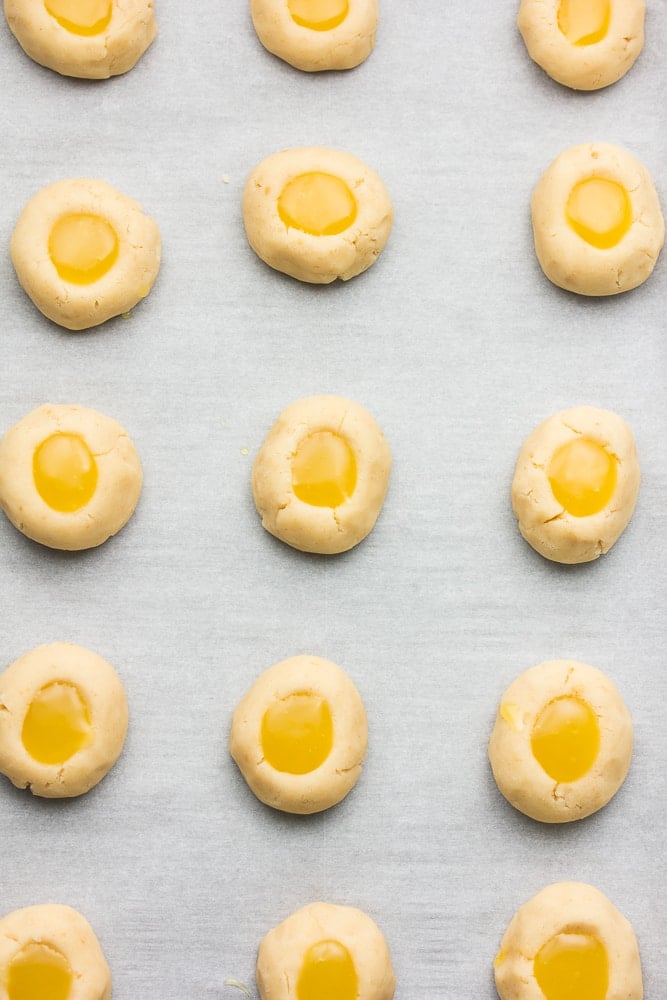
94	39
299	735
50	951
575	484
321	476
317	34
84	252
63	720
316	214
70	477
325	950
597	223
583	44
568	943
562	741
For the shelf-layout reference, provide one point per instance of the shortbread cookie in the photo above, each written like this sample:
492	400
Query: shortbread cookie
583	44
50	951
568	941
63	720
299	735
325	950
84	252
321	476
562	742
316	214
597	222
91	39
317	34
69	477
575	484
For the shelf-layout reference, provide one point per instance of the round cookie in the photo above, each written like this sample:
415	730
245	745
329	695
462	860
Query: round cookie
583	44
316	214
51	951
568	940
316	35
597	223
69	476
63	720
92	40
323	950
299	735
321	476
562	741
83	252
575	484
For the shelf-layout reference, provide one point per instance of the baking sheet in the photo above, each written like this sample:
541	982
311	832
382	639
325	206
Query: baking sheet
459	346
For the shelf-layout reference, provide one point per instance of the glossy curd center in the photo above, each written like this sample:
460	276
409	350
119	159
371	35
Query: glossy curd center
599	211
582	475
297	733
572	967
584	22
83	247
57	724
327	973
324	470
318	204
319	15
566	738
65	472
38	972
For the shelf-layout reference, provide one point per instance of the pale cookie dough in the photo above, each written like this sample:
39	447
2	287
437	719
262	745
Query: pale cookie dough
313	36
325	950
359	475
583	45
333	233
568	928
63	720
96	40
91	281
572	716
609	491
50	950
299	735
87	468
620	232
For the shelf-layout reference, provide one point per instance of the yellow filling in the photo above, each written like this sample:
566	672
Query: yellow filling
572	967
83	247
80	17
582	475
38	972
584	22
318	204
57	724
320	15
599	211
65	472
327	973
324	470
566	738
297	733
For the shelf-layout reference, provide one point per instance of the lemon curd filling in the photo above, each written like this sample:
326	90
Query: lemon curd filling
65	472
572	966
80	17
584	22
297	733
327	973
599	211
318	204
582	475
57	724
324	470
83	247
566	738
320	15
38	972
